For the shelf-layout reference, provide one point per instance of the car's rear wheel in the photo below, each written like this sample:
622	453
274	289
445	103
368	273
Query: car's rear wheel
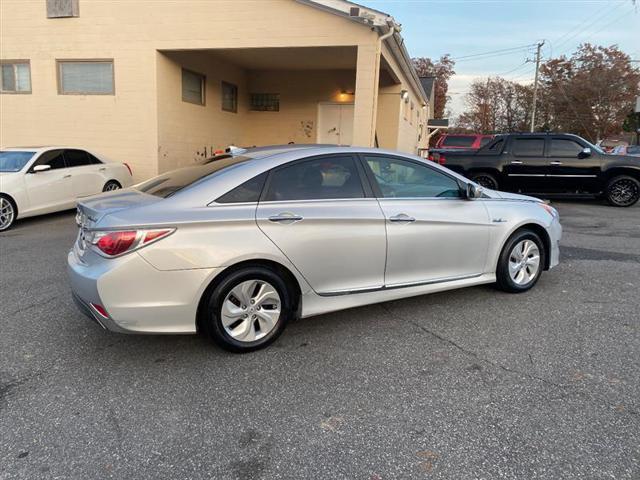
622	191
521	262
485	179
111	185
248	310
8	213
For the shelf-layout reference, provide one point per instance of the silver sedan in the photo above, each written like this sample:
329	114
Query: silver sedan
238	245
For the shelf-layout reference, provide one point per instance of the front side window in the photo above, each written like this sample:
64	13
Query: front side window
193	87
561	147
53	158
403	179
229	97
528	147
77	158
317	179
16	77
91	77
14	161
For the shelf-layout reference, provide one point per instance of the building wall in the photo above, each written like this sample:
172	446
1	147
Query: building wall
300	92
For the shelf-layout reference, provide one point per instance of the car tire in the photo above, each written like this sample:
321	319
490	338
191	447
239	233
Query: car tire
515	272
622	191
234	322
111	185
8	212
486	180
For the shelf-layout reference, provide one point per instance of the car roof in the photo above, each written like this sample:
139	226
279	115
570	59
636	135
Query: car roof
41	148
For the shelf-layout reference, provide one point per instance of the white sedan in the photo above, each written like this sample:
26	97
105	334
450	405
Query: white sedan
39	180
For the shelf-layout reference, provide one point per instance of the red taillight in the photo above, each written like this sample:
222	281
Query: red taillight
115	243
128	168
442	160
100	309
152	235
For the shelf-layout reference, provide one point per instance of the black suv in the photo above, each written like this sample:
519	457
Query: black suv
547	163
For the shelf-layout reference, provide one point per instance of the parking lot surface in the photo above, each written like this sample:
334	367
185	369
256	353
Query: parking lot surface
472	383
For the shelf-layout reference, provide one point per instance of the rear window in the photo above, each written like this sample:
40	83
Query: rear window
14	161
458	141
169	183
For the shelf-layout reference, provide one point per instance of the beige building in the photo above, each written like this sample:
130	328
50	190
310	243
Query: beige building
159	84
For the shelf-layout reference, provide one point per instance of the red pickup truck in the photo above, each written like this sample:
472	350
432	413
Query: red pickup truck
466	141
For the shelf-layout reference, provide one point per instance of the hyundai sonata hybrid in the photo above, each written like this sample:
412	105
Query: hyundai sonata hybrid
41	180
238	245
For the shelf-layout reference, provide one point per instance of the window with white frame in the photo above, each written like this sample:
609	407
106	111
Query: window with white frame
16	76
193	87
85	77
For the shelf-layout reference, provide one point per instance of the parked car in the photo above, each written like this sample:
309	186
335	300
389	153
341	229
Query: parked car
238	246
633	150
39	180
465	141
543	163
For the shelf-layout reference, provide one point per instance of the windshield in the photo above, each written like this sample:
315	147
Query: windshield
14	161
169	183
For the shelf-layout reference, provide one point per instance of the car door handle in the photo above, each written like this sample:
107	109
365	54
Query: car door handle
285	217
402	217
67	176
516	162
555	163
103	169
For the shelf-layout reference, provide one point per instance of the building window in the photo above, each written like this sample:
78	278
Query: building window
85	77
229	97
193	87
16	76
265	102
62	8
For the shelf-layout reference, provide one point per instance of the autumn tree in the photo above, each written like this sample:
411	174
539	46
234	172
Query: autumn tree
442	70
590	93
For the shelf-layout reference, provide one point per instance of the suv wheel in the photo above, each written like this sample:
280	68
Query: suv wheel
8	212
486	180
521	262
622	191
248	310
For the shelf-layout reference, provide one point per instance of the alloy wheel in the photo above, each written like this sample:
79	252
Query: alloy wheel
110	186
485	181
524	262
251	310
7	213
623	192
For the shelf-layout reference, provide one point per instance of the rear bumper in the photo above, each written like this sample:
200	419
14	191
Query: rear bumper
137	297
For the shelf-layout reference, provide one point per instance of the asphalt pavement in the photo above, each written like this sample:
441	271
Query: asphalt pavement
465	384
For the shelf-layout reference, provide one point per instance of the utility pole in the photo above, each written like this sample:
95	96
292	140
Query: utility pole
535	87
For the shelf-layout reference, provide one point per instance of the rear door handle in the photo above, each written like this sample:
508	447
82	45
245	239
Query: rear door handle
555	163
402	217
285	217
516	162
103	169
67	176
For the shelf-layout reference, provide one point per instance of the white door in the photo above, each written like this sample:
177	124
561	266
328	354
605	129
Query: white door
88	177
335	123
52	189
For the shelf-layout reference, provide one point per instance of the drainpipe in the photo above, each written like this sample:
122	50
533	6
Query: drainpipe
381	38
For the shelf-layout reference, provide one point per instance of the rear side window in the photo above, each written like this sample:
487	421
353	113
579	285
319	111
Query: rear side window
561	147
458	141
484	141
248	192
54	158
528	147
316	179
77	158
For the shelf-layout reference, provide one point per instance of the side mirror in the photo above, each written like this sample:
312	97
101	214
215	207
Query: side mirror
41	168
586	152
473	191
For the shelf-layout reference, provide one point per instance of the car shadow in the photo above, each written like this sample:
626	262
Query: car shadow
39	221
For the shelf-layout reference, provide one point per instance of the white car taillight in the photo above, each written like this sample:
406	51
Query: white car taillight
119	242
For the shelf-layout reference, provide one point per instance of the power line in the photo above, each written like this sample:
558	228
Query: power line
523	47
519	67
589	18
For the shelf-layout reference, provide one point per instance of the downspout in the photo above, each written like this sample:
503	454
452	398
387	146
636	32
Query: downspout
374	120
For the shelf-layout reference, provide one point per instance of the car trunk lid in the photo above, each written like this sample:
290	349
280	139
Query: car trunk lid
92	209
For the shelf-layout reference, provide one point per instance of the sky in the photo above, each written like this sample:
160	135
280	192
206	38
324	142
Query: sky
461	28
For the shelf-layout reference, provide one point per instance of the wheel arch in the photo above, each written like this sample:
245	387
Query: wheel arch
13	201
615	171
286	273
539	230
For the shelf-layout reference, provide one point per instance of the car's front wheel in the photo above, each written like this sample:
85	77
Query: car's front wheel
8	213
622	191
248	310
485	179
521	262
